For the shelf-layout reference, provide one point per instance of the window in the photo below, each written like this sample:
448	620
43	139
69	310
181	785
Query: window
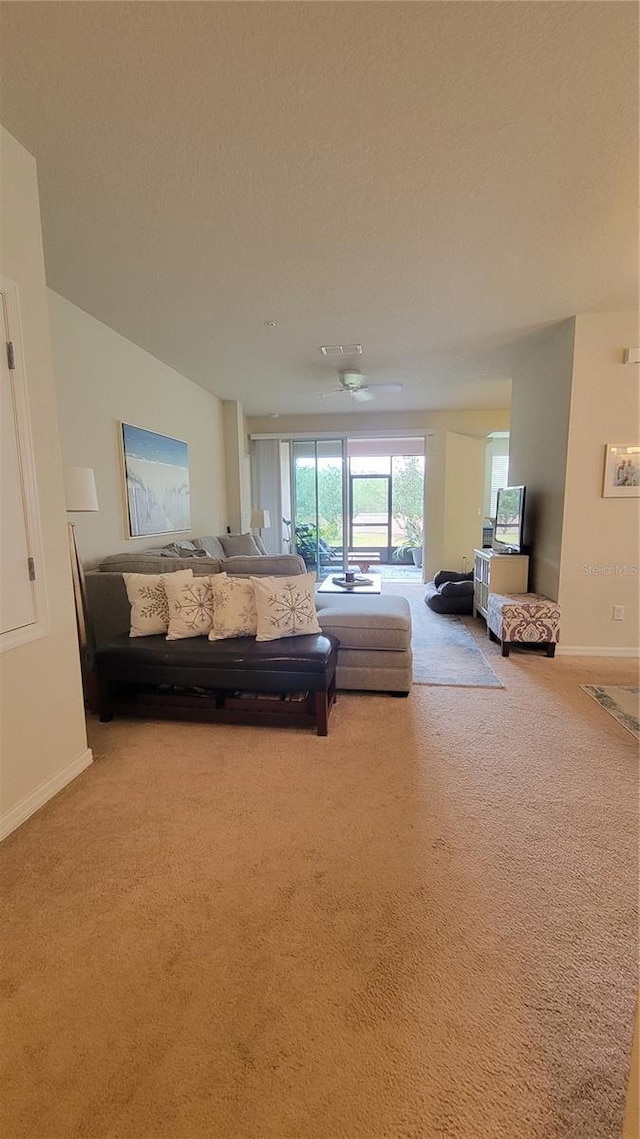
499	478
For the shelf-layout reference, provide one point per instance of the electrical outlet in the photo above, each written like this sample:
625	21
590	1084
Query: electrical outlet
618	612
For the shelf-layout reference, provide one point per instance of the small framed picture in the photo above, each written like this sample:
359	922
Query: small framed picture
621	471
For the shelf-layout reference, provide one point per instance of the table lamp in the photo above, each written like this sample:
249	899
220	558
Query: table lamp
260	520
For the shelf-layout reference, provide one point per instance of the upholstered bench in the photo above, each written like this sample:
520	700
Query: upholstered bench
523	619
239	680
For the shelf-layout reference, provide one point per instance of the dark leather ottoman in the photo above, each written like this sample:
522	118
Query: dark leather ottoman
239	680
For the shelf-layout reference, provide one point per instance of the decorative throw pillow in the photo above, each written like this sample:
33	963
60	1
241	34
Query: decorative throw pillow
212	547
190	606
285	606
234	607
149	606
235	545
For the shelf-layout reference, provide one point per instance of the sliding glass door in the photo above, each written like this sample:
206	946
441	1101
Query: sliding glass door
357	497
318	494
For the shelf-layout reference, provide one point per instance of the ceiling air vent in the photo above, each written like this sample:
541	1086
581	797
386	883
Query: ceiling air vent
341	349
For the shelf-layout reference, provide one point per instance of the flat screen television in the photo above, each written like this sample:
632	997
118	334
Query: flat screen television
509	527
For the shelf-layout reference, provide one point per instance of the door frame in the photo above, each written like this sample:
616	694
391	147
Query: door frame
10	301
345	491
378	549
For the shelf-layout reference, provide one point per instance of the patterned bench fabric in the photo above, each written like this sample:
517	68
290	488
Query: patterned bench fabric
524	617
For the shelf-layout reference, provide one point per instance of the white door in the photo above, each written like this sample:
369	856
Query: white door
17	592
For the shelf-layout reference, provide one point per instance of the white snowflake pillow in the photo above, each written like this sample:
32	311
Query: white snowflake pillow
148	600
285	606
190	606
234	607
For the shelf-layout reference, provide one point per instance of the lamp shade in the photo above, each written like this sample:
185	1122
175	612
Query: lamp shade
260	520
80	489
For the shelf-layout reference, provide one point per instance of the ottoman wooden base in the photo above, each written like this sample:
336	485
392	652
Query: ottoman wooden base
523	619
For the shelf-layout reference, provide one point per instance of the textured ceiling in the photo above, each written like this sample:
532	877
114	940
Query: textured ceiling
432	180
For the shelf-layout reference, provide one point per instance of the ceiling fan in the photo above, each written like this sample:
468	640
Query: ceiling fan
352	382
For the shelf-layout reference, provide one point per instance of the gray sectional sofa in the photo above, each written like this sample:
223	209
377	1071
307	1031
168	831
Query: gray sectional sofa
374	632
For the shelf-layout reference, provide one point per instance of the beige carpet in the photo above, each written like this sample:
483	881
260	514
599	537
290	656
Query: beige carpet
420	927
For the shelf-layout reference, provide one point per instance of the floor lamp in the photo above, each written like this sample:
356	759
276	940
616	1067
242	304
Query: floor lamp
80	497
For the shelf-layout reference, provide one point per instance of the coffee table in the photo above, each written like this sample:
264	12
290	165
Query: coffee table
330	586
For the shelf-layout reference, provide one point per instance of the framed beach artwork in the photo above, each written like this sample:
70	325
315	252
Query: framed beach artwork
621	472
156	471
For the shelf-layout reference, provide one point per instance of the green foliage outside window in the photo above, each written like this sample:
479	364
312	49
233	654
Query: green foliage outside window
407	501
330	500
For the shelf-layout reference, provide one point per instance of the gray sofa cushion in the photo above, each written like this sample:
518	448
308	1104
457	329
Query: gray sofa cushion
146	562
273	565
371	622
211	546
276	565
235	545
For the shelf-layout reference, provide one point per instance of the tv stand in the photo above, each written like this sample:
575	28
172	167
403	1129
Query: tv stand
497	573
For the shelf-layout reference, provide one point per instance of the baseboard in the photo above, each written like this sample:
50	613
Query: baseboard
595	651
31	803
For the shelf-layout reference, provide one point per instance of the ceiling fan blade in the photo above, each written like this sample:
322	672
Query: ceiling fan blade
387	387
336	391
363	395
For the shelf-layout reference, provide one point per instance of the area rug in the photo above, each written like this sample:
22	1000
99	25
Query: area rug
620	701
444	652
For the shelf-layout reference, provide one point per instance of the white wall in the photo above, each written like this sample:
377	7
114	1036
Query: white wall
454	490
103	379
599	564
237	467
43	729
464	487
540	397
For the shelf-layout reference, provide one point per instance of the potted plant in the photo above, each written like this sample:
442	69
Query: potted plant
412	543
306	542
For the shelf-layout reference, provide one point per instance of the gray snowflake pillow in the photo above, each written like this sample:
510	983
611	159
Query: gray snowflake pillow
234	607
285	606
148	600
190	607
